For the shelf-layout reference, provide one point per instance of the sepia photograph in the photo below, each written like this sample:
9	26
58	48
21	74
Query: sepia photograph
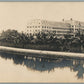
41	42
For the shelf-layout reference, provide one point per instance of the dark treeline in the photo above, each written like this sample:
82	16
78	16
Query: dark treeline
42	41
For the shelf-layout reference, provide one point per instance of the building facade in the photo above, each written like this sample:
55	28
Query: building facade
76	26
59	28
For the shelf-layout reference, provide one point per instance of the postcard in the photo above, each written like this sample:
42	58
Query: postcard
42	42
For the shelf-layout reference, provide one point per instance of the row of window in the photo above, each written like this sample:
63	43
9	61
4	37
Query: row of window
33	26
47	31
49	27
46	27
32	30
38	27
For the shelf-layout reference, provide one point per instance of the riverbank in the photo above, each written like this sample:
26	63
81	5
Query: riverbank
42	41
47	47
47	54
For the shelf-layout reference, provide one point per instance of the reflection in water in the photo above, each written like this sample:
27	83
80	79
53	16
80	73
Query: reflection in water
42	64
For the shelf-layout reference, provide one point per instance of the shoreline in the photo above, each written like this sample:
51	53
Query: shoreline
49	54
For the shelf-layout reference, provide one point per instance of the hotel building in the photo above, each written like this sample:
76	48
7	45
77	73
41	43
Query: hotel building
59	28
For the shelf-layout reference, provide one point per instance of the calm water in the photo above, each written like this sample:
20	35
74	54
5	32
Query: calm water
17	68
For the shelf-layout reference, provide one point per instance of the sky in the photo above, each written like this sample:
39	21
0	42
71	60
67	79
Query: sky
15	15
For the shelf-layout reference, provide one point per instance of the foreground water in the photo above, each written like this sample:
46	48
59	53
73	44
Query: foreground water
19	68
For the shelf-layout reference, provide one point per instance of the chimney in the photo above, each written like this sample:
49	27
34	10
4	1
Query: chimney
62	19
71	19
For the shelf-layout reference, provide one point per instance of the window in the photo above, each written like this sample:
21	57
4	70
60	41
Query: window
72	25
35	26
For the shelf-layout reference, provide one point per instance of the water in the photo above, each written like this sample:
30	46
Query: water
20	68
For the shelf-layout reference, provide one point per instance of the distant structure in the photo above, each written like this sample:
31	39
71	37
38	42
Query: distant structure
76	26
70	27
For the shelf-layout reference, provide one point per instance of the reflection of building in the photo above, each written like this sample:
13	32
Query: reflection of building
58	28
43	64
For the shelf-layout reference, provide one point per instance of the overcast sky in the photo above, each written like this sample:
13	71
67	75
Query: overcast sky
15	15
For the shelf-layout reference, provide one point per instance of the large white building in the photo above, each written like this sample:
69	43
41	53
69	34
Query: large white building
58	28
